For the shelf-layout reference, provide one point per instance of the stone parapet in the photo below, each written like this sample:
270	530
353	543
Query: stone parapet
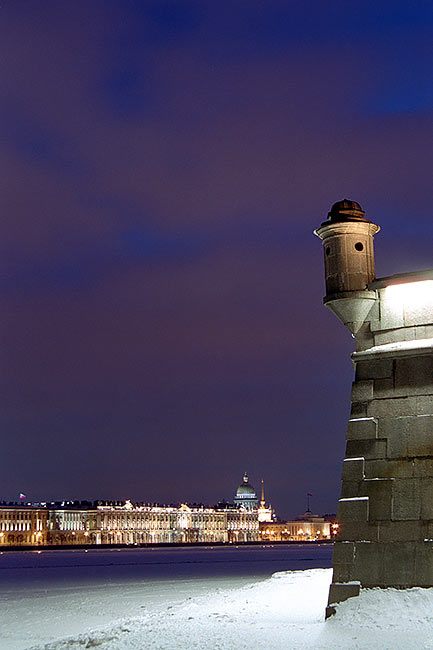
386	508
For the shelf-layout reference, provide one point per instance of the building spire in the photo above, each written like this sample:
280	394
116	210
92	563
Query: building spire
262	502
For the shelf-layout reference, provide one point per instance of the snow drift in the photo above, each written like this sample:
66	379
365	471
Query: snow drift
283	612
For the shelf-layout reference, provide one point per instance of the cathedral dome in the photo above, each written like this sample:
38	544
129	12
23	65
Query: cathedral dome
245	488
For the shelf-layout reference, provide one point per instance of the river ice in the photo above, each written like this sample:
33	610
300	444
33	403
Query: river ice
281	612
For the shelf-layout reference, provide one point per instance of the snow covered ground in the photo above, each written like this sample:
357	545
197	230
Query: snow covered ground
283	612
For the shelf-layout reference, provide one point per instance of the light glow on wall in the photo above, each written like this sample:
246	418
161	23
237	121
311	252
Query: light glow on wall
410	293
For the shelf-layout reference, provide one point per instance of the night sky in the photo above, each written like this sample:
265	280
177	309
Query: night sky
163	166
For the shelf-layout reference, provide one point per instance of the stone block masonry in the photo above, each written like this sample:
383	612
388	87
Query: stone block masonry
386	507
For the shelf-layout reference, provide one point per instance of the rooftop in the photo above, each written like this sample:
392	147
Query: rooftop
401	278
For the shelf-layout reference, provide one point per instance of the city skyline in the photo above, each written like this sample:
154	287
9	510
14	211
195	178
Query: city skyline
163	167
222	500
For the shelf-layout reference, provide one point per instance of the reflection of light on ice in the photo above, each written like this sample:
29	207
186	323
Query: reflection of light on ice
283	612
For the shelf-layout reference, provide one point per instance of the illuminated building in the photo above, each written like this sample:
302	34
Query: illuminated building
242	525
128	524
125	523
264	513
23	526
69	523
246	495
386	507
68	526
308	528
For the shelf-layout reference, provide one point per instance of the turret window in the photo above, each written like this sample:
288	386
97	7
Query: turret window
328	250
359	246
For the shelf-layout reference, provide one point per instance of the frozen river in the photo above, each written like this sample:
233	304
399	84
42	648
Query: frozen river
45	595
75	567
231	598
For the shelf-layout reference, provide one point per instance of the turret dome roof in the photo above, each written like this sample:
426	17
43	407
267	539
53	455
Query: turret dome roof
346	210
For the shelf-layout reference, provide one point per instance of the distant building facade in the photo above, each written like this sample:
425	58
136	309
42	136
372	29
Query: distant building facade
75	523
125	523
307	528
68	526
130	524
20	525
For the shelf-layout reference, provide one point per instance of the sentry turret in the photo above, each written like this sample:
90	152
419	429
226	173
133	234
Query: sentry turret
349	262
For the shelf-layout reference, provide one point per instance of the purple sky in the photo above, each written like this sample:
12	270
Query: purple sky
163	165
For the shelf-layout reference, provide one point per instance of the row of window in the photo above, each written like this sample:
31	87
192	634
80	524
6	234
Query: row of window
17	514
19	525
